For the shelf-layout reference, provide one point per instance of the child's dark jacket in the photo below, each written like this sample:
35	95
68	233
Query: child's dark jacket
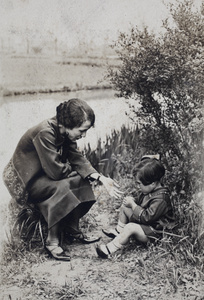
154	209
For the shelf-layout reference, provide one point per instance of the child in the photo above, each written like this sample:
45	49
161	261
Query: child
145	217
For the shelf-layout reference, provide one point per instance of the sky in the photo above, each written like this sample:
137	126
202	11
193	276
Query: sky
78	21
75	20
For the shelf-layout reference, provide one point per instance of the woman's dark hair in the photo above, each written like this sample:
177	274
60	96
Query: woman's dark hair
149	170
74	112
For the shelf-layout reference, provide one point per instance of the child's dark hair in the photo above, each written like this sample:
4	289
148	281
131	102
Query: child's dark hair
149	170
74	112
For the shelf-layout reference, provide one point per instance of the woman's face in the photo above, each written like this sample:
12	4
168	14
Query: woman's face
76	133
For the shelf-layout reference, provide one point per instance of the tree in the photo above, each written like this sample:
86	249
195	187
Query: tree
165	74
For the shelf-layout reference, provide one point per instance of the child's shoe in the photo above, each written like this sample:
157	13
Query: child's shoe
102	251
112	233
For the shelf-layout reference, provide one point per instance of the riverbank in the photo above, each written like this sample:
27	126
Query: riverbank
22	75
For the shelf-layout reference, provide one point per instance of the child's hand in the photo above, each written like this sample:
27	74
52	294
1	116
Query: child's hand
129	202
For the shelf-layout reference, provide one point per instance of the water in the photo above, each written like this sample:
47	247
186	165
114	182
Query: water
19	113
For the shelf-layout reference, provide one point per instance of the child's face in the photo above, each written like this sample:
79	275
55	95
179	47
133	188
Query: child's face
145	189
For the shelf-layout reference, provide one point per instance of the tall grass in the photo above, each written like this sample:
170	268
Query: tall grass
115	156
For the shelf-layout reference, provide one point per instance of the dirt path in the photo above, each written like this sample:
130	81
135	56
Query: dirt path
91	278
136	272
85	277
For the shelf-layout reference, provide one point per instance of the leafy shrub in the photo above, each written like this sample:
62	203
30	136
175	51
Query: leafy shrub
164	74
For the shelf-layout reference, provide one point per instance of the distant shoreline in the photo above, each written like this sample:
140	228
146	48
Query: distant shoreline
64	89
26	75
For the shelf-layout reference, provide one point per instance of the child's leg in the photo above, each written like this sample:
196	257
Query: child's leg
120	240
131	229
125	214
124	217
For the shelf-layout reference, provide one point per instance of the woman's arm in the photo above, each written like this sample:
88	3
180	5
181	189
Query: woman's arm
79	163
110	184
49	157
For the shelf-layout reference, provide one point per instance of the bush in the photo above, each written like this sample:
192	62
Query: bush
165	75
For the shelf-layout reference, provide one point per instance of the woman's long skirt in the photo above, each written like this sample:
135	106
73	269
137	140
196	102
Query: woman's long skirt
57	199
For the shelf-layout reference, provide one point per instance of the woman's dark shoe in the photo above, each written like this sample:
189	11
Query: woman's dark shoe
86	239
72	234
102	251
112	233
55	251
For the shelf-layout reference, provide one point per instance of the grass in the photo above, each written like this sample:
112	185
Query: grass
156	271
140	273
172	268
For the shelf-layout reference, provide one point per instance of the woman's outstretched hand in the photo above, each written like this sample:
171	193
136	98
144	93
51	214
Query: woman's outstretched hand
111	186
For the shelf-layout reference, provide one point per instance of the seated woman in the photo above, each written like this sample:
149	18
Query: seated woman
47	169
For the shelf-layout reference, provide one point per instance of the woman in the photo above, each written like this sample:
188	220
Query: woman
48	170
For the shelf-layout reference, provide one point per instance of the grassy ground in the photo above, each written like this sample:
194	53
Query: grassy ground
136	272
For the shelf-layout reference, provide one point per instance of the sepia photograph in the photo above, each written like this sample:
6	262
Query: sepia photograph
102	149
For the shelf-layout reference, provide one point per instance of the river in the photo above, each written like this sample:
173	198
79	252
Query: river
18	113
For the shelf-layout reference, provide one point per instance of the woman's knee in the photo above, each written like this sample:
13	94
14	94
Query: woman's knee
61	186
43	187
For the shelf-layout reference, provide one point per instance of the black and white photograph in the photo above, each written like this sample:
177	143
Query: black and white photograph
102	149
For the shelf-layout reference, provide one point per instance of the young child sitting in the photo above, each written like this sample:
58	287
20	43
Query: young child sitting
143	218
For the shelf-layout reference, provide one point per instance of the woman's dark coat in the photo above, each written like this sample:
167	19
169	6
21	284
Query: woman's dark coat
41	169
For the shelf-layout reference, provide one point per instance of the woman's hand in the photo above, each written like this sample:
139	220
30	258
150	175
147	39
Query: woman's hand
129	202
111	186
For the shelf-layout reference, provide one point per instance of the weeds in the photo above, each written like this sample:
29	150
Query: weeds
69	291
116	155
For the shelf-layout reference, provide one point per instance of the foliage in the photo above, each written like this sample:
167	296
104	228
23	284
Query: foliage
25	227
115	156
165	75
30	225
